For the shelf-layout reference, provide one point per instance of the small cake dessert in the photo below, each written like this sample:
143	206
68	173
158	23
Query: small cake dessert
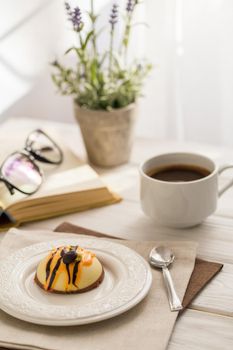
69	269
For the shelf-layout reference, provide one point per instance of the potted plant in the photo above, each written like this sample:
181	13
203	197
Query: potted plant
105	85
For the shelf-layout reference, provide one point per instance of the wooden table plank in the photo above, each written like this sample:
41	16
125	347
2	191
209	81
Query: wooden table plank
194	330
127	220
217	296
197	330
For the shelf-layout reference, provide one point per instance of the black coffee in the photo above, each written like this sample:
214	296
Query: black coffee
179	173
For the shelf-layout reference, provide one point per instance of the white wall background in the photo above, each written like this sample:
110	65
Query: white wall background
189	94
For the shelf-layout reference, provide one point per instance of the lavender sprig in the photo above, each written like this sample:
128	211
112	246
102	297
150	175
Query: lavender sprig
130	6
94	84
67	7
93	20
75	17
112	20
114	15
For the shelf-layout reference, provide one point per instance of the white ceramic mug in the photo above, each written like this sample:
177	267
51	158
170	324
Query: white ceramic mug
180	204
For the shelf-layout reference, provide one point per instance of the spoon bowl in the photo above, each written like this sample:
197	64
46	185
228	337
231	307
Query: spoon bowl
161	257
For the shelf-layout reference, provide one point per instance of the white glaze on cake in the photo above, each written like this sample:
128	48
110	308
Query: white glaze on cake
69	269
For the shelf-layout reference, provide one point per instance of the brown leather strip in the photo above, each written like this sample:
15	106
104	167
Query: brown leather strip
202	273
70	228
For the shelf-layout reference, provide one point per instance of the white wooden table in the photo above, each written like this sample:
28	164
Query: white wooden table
208	322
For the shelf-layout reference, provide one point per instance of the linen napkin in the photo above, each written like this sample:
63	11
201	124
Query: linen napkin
148	325
202	273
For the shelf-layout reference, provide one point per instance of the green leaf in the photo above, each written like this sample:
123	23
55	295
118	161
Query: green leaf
93	70
79	52
88	37
69	50
93	18
117	61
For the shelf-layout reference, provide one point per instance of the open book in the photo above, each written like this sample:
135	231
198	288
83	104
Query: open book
69	191
70	187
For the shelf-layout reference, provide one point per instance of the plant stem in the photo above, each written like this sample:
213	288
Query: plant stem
93	28
82	58
127	31
127	37
111	52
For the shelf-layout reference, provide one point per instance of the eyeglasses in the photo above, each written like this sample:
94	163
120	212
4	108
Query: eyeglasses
19	170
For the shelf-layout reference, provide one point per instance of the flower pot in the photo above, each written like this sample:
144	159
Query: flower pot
108	135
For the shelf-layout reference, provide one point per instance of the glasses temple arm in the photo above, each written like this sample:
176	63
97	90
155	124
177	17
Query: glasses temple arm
9	186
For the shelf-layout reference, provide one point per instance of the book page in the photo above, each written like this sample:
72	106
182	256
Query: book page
78	179
6	198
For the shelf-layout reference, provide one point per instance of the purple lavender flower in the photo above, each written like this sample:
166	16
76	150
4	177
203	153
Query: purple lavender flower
114	15
130	6
75	17
67	7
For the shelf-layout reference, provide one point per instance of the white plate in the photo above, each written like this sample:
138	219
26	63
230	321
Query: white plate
126	282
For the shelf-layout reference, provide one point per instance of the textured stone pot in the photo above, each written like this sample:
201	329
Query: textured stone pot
108	136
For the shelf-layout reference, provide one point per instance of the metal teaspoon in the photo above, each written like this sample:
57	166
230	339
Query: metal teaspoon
162	257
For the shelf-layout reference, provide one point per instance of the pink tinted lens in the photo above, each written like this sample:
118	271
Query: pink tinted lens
20	171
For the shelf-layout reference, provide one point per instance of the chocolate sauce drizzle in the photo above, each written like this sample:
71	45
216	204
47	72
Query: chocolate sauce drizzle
68	272
54	271
53	275
75	271
48	265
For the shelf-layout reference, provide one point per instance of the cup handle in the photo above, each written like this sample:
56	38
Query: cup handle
230	183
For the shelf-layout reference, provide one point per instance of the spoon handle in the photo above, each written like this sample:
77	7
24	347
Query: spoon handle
173	298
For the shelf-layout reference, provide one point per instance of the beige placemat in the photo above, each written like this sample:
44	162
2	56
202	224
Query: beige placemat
146	326
202	273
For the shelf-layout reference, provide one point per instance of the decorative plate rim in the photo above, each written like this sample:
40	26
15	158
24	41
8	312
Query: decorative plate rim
21	305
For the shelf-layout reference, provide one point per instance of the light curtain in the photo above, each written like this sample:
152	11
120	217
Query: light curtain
190	94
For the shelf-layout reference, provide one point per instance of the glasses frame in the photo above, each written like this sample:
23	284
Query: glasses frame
32	156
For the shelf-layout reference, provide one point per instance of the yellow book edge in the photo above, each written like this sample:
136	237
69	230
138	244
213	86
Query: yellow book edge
115	199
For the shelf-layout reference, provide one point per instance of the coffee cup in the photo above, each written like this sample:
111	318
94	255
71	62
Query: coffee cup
180	189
